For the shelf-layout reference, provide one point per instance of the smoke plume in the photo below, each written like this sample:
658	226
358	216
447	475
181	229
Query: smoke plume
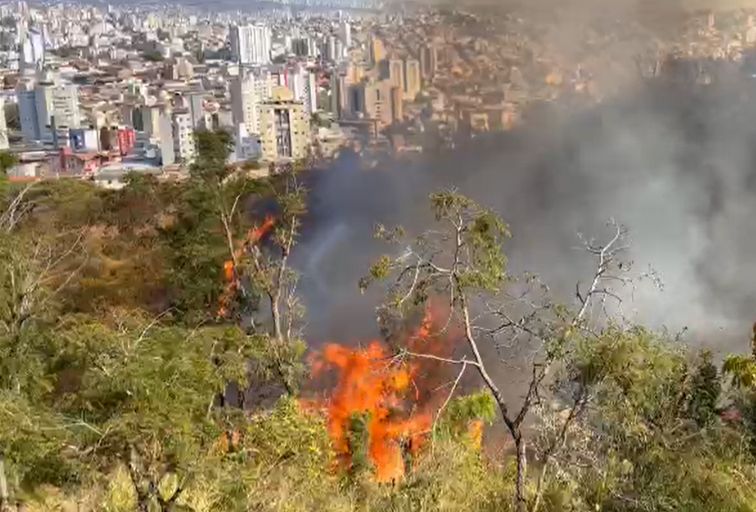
674	163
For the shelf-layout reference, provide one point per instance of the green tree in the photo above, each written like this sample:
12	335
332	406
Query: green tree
627	451
153	56
463	263
35	267
7	161
742	368
149	392
207	220
138	205
213	150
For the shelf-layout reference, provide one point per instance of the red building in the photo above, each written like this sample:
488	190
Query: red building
126	140
117	139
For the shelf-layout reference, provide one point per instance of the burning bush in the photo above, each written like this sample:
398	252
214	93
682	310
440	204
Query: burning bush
382	407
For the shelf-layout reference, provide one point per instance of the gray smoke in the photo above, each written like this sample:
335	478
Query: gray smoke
675	163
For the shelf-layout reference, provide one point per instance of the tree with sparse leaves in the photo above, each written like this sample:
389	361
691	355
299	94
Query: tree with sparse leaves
463	263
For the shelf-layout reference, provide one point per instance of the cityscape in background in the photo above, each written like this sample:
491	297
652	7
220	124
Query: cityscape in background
98	91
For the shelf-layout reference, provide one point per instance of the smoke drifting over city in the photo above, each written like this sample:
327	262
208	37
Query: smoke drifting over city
676	166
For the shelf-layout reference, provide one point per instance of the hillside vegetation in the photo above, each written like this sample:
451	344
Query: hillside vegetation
130	320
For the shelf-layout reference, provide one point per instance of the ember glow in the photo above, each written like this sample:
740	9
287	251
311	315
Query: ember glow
253	237
394	395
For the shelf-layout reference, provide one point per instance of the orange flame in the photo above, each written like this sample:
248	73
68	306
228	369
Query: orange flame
475	431
253	237
259	232
371	381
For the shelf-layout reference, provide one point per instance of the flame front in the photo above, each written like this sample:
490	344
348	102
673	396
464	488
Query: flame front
394	394
371	383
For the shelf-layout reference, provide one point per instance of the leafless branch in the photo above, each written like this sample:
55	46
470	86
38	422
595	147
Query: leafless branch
448	397
149	326
16	209
446	360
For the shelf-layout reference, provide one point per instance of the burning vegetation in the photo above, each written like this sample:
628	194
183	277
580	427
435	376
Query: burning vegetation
373	405
382	406
230	274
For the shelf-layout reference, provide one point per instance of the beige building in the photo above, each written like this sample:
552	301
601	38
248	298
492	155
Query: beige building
179	69
397	105
396	73
377	101
412	79
354	73
284	127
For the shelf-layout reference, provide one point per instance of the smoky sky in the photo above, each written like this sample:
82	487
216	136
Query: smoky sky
674	162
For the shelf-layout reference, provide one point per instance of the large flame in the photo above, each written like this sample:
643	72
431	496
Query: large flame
252	238
369	383
385	390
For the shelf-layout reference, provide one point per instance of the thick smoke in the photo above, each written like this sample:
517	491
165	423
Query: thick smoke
674	163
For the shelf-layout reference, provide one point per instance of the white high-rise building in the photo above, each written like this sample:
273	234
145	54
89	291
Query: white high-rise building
244	102
165	138
32	50
345	32
304	47
331	50
251	44
247	92
4	144
247	146
301	81
60	102
150	120
310	93
183	137
339	94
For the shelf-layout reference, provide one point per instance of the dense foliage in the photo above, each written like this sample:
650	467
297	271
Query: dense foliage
124	385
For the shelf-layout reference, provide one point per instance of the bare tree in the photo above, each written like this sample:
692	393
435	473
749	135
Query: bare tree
266	269
17	208
464	262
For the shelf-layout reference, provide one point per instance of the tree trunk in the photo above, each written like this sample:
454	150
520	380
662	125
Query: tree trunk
4	497
275	311
522	468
